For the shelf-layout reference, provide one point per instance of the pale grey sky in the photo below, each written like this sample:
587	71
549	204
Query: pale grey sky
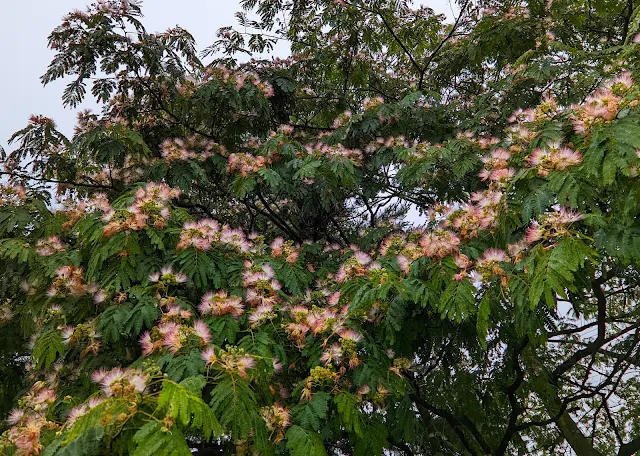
24	54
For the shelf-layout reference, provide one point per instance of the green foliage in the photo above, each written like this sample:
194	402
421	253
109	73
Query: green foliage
552	272
234	403
86	443
183	403
16	249
47	348
312	414
179	367
301	442
458	300
414	235
128	320
350	415
153	439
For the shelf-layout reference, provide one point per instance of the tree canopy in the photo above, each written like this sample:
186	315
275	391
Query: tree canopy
412	236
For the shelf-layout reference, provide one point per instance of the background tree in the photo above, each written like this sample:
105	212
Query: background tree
228	264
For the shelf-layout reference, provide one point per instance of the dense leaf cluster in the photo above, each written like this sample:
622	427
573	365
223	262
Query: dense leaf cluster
409	237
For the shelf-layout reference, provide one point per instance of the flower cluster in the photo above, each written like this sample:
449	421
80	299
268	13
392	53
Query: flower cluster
121	382
404	245
25	434
149	209
285	129
82	409
220	303
75	210
342	119
463	262
338	151
277	420
285	249
6	312
49	246
115	7
233	360
344	351
490	264
175	330
261	285
552	225
371	103
239	79
320	376
484	142
439	243
262	313
603	106
552	158
247	164
132	170
69	281
546	110
30	420
82	333
199	235
469	219
203	234
190	148
39	397
315	320
393	142
167	276
360	264
12	195
496	168
519	136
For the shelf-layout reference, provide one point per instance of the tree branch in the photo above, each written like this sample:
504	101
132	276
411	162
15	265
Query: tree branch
453	420
442	43
277	219
630	448
54	181
393	34
588	351
511	390
602	309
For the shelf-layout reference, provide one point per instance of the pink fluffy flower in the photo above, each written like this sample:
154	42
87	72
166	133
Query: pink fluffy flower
202	331
209	356
15	416
333	354
147	344
438	244
219	304
494	255
534	233
350	334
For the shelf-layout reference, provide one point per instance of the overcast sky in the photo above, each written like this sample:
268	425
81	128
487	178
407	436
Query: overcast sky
24	54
